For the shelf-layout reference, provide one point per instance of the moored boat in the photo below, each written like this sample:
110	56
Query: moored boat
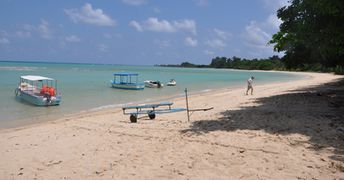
38	90
153	84
172	82
126	81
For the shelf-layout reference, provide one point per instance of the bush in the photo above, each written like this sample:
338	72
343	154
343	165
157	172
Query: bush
339	70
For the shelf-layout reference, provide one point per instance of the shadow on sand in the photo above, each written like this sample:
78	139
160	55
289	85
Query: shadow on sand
316	112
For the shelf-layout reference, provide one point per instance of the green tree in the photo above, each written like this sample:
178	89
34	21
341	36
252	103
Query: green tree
219	62
312	32
187	64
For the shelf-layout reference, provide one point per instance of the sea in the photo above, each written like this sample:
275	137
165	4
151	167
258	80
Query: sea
86	87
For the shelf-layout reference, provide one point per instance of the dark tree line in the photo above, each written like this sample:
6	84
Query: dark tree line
272	63
312	35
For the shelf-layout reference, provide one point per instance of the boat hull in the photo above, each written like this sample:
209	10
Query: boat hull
38	100
151	84
171	84
128	86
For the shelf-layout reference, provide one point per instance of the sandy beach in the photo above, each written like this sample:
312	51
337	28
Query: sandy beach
289	130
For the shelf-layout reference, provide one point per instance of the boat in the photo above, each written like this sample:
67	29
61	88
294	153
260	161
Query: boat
126	81
172	82
153	84
38	90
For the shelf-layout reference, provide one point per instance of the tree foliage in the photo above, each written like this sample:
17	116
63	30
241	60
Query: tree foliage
311	34
272	63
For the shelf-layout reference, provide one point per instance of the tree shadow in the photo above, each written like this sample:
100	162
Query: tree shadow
316	112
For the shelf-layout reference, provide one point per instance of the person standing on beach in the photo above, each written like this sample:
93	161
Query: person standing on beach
250	85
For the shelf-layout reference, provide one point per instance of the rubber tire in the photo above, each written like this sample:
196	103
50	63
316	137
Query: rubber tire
151	115
133	118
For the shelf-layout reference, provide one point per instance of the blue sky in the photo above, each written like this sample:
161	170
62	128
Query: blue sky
136	32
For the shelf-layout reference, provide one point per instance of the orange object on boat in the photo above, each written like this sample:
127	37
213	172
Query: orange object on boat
44	90
51	91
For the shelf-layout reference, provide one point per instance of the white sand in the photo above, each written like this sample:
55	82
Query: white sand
282	136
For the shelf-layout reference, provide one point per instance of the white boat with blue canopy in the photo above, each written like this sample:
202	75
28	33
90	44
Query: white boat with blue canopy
127	81
38	90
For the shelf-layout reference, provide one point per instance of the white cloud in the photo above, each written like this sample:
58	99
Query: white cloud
273	21
136	25
219	38
135	2
17	34
4	41
72	38
186	25
153	24
255	35
216	43
190	41
274	5
88	15
4	37
259	33
44	30
156	25
222	34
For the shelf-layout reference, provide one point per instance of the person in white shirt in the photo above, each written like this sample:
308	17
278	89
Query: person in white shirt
250	85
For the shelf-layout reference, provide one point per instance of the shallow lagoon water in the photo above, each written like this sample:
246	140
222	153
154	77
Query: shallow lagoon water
87	86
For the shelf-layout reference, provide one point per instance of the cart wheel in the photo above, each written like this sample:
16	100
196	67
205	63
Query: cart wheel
151	115
133	118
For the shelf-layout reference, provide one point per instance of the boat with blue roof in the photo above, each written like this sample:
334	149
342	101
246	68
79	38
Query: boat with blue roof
128	81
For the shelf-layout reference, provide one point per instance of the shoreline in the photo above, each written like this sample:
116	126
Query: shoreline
32	115
272	134
41	119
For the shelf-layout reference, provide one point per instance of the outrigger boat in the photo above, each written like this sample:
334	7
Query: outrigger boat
153	84
127	81
160	108
38	90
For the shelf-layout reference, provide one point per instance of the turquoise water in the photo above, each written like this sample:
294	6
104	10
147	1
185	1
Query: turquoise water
87	86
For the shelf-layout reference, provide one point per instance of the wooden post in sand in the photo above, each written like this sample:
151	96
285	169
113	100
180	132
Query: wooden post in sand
187	104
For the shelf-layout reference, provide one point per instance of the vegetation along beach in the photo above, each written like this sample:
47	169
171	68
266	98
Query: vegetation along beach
131	89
